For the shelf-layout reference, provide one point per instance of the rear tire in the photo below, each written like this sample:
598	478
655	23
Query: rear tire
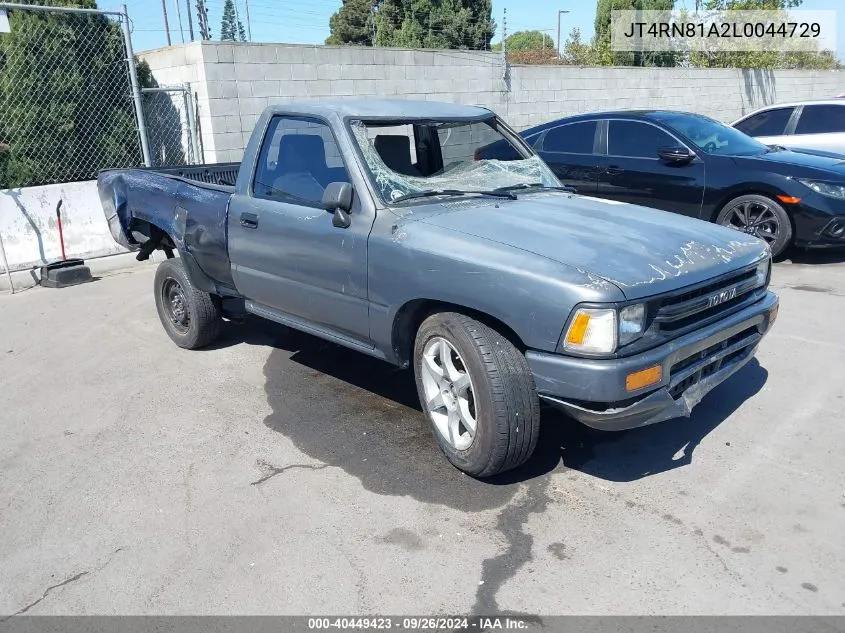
468	374
759	216
192	318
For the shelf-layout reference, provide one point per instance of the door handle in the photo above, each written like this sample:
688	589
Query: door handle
249	220
613	170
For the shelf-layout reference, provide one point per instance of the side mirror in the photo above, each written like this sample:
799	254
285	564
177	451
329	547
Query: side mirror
679	155
337	199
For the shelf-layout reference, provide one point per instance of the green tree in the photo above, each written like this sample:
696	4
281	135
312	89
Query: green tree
575	51
65	104
526	41
231	28
748	5
605	56
764	58
460	24
352	24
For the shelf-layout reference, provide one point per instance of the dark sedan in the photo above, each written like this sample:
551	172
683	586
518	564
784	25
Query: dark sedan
693	165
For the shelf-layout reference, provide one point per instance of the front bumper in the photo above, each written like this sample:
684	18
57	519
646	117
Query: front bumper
816	220
594	392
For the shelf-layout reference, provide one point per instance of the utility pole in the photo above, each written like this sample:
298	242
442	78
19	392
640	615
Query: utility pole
166	25
505	32
179	18
248	26
559	13
190	19
202	19
237	19
373	19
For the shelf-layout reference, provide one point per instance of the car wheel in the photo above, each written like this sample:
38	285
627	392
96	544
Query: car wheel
191	317
478	394
761	217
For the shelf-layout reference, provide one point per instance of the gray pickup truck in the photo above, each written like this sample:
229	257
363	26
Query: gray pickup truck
379	225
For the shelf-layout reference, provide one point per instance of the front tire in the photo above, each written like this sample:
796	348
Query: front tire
191	317
478	394
761	217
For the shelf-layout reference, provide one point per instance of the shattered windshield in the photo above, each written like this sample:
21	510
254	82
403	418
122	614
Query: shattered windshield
407	158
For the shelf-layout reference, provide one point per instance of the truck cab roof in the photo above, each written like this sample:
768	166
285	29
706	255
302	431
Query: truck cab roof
385	109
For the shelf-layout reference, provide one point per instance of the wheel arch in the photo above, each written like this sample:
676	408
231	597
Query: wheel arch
160	238
410	315
753	189
765	192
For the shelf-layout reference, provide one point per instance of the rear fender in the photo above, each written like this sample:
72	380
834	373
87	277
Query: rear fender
200	280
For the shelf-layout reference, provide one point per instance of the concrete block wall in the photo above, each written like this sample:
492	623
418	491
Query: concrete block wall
241	79
236	81
542	93
176	65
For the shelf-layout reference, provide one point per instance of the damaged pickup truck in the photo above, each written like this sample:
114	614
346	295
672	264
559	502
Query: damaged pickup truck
379	226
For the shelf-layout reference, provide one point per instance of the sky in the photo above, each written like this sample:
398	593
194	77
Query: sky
298	22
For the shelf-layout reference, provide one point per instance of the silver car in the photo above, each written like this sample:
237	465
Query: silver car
810	125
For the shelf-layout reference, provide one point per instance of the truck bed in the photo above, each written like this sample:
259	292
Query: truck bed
188	202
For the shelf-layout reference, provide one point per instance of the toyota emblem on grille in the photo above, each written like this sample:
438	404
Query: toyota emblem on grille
722	297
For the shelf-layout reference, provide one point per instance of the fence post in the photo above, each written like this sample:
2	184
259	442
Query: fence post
136	89
192	123
6	266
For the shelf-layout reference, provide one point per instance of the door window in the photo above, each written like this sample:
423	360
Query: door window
298	159
636	140
821	119
768	123
572	138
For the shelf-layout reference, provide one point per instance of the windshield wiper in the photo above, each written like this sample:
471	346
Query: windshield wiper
533	185
429	193
777	148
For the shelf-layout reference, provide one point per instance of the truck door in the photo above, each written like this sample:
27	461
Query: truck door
286	255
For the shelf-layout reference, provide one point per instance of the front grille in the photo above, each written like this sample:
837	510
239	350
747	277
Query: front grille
706	302
695	368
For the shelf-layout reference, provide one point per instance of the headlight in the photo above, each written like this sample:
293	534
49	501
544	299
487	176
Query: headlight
631	323
763	272
592	331
829	189
602	330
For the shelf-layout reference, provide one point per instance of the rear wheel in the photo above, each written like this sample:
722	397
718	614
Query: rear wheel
761	217
191	317
478	393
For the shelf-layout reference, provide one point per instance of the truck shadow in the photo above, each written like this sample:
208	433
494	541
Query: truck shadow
630	455
351	411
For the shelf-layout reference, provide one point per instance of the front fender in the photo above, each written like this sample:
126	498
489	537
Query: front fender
530	294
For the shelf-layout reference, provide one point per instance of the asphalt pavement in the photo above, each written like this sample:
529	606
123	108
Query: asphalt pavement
278	474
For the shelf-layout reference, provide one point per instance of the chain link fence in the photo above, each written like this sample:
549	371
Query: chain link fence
66	96
169	115
71	103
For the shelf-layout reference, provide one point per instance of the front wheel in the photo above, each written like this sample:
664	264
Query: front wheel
191	317
761	217
478	394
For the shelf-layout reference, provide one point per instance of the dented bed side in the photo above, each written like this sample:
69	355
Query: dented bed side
140	203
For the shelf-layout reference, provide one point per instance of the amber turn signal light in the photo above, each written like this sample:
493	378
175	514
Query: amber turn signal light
643	378
578	329
789	199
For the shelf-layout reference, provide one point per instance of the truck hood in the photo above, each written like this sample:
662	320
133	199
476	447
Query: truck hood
640	250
